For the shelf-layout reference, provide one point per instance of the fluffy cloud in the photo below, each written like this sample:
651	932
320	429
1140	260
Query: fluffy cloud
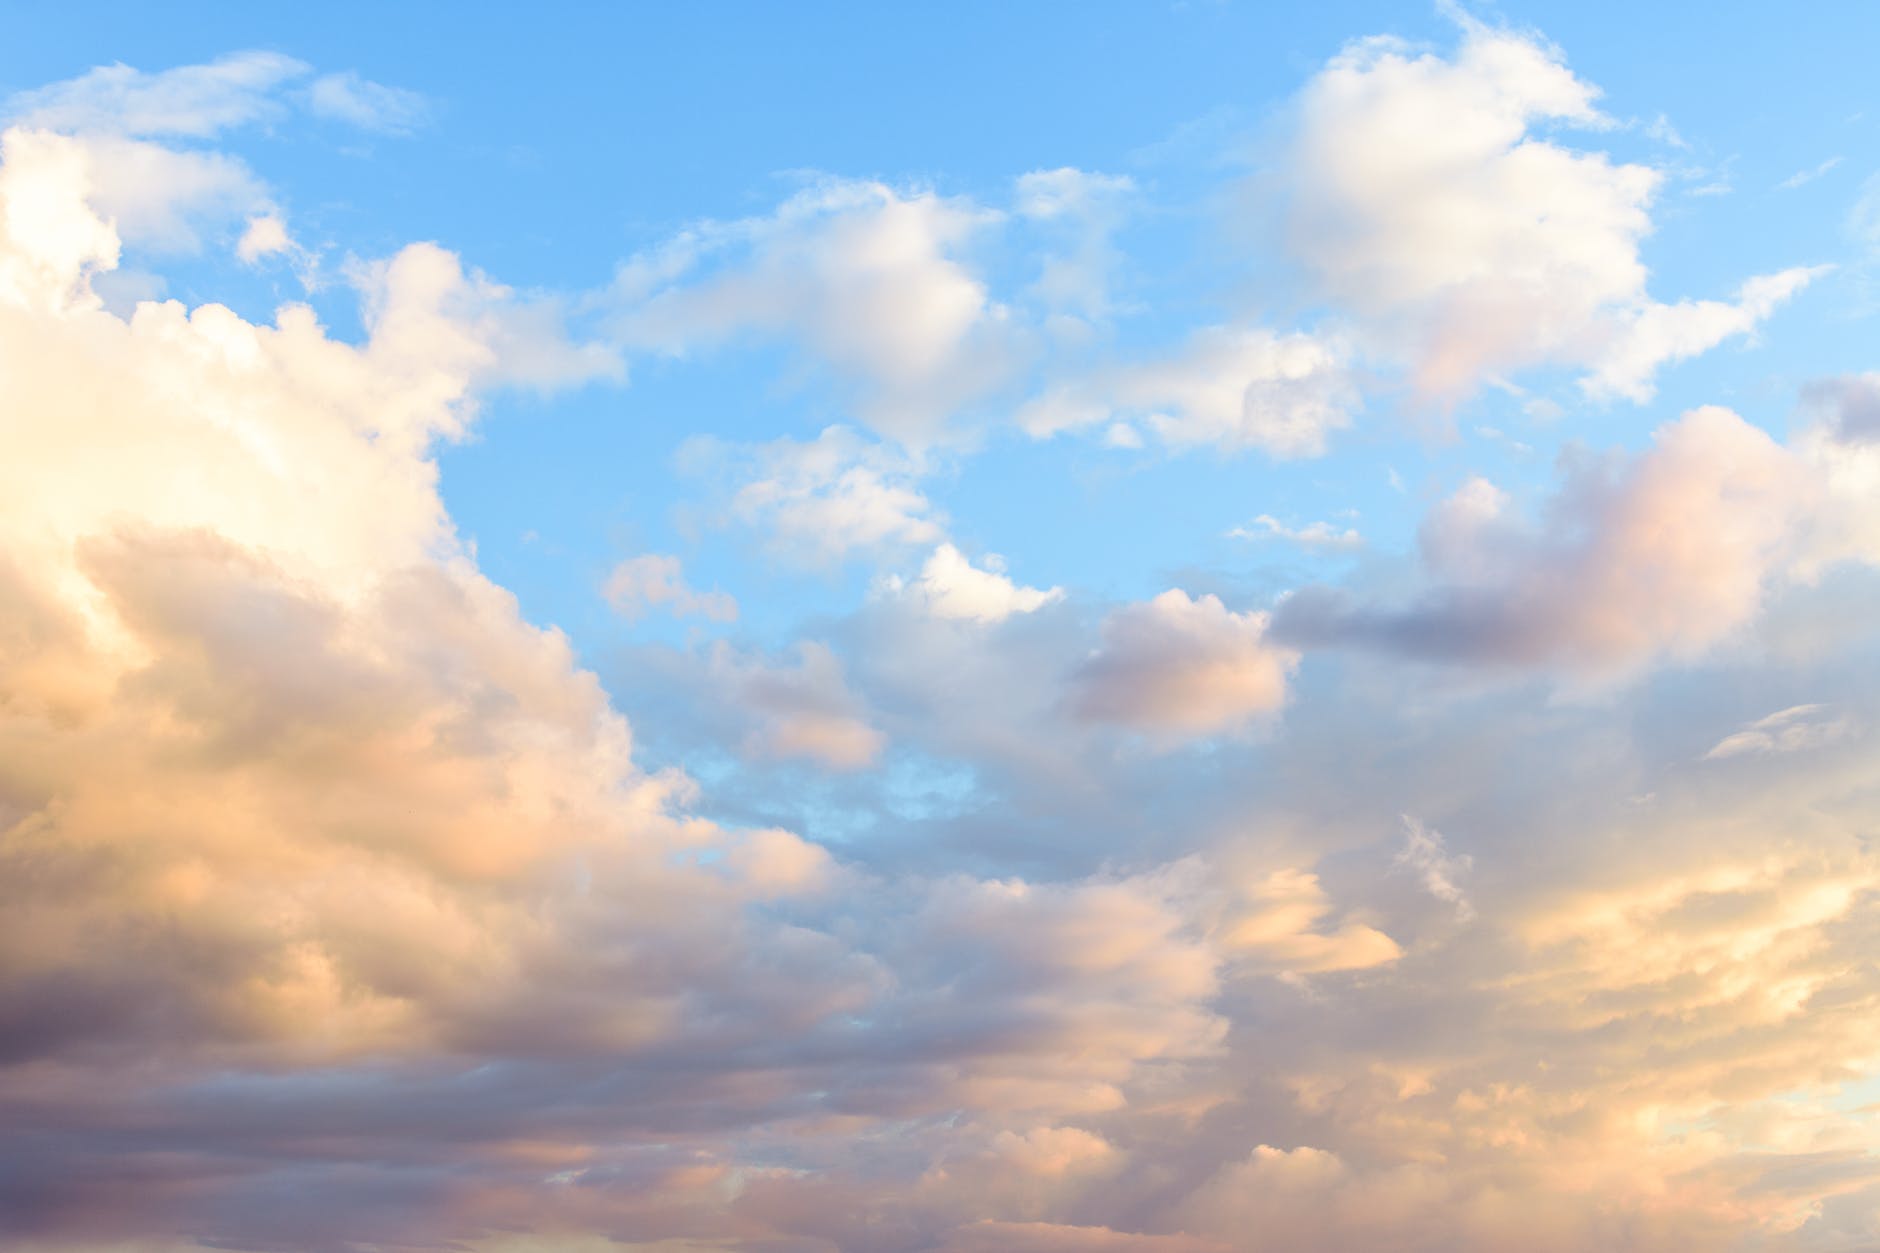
862	276
1178	666
951	586
827	499
1423	203
657	579
337	910
364	822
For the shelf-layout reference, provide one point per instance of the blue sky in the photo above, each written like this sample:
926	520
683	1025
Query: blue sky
930	629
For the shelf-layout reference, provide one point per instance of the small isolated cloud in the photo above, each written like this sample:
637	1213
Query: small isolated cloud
266	236
1800	177
1233	388
1176	666
1439	870
368	105
824	500
951	586
1315	535
654	579
1790	730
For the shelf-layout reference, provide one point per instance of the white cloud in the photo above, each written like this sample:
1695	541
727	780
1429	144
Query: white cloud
266	236
951	586
1318	535
866	279
1424	204
657	579
831	497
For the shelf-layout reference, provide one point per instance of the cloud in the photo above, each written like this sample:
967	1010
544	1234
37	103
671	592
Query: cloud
1280	927
202	101
866	279
1315	535
803	711
1237	389
194	101
1667	555
1801	177
1424	205
656	579
266	236
1179	666
827	499
1849	406
1790	730
950	586
1438	869
357	101
1084	209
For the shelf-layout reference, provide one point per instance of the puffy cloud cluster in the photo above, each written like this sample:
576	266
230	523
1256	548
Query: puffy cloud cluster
337	913
371	848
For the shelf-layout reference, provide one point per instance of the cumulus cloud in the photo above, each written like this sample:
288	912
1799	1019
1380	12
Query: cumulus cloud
1178	666
827	499
1669	554
951	586
1423	202
866	278
125	123
658	579
366	831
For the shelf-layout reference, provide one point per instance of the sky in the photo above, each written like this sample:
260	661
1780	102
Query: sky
1139	627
